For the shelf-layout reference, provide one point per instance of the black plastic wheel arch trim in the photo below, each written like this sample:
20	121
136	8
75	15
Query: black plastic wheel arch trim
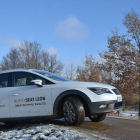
70	92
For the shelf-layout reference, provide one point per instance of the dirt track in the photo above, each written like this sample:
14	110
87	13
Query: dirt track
118	129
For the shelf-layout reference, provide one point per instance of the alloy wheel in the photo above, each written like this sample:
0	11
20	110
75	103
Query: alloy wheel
69	112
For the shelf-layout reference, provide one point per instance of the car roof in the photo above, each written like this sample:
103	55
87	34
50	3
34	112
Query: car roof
14	70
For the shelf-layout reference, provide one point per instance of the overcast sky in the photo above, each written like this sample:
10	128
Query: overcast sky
70	28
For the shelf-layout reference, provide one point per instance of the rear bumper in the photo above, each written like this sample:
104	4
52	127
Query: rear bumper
110	107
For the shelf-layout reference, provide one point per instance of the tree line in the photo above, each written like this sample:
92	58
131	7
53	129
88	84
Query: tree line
118	66
30	55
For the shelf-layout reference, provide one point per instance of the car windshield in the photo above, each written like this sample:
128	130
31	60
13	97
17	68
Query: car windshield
51	75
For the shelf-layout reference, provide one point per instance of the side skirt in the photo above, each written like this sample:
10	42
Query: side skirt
26	118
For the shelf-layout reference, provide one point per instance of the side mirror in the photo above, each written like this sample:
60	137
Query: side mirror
37	83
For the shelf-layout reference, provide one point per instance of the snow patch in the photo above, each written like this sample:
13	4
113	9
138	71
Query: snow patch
45	132
125	115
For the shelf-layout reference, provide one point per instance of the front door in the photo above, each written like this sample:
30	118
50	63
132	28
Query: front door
4	97
28	100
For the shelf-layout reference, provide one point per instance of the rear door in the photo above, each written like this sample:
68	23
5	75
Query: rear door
28	100
4	97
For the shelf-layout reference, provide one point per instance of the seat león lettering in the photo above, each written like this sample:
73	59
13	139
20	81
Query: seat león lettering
37	94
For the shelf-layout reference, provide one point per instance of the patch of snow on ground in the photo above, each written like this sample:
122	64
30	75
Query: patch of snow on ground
44	132
125	114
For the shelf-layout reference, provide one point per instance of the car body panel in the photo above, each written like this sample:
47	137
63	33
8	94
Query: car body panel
80	86
4	103
30	101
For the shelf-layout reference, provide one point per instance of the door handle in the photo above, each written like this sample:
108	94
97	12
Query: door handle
14	94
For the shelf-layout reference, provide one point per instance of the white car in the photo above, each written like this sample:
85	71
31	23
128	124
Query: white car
36	94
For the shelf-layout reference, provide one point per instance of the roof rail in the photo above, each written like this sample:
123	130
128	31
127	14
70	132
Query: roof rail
14	69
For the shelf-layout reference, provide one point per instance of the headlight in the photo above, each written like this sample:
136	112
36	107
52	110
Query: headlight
99	91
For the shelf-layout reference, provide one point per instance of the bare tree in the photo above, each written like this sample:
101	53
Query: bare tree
45	60
11	60
30	55
70	72
55	66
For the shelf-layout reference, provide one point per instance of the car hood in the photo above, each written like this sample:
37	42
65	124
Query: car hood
87	84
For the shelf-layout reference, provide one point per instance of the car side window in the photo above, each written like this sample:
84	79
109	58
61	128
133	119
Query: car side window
24	79
4	80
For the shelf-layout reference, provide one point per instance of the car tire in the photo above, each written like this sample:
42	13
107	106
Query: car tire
11	123
73	111
97	118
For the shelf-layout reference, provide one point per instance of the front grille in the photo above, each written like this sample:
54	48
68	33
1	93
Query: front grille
118	105
116	91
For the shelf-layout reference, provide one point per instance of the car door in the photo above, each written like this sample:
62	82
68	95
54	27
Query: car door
29	100
4	97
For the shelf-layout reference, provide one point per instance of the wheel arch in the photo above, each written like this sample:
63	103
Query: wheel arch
57	106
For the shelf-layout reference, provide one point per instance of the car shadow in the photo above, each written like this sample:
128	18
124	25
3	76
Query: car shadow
32	123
